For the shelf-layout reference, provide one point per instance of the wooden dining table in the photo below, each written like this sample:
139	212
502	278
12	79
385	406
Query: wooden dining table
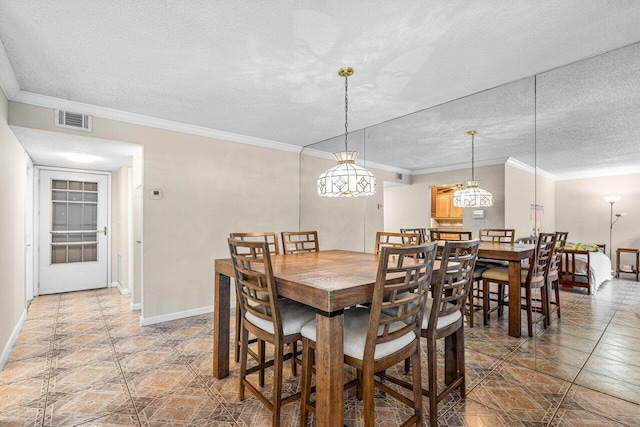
331	281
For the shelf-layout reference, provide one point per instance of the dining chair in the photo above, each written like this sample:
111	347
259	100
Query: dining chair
296	242
494	235
271	239
390	239
421	231
385	334
265	316
553	277
534	277
449	235
444	318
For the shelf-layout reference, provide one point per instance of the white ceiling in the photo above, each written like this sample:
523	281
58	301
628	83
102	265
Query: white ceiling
269	69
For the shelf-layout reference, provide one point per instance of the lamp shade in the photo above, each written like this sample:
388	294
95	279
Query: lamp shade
472	196
346	179
612	199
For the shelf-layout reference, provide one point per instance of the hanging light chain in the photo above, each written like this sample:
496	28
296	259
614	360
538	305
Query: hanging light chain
346	111
472	133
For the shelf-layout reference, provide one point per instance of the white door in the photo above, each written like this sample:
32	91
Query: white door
73	231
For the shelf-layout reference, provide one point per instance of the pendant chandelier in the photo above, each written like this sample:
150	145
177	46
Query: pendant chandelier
346	179
472	196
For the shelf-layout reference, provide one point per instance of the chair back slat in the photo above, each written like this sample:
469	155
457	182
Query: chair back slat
401	290
295	242
254	279
499	235
389	239
270	237
456	271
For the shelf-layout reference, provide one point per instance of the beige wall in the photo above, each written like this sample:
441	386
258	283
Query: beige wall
582	211
546	195
520	191
12	232
136	175
407	206
211	187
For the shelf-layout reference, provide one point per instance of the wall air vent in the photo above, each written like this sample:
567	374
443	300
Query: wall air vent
65	119
399	177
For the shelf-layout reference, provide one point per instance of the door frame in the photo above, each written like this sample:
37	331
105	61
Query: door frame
36	219
30	248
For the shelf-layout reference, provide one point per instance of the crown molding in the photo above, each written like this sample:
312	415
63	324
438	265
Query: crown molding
525	167
139	119
372	165
459	166
8	80
600	173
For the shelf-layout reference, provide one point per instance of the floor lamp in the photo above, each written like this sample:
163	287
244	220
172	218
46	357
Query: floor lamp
612	200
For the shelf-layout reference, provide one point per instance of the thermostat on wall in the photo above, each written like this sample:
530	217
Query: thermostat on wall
155	194
479	213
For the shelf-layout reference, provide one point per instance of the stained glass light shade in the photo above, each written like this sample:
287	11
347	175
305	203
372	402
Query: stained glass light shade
472	196
346	179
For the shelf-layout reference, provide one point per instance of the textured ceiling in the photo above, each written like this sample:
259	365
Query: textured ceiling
268	69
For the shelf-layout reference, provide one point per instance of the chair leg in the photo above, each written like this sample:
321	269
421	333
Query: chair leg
500	299
417	385
556	288
485	301
471	307
294	353
277	382
243	363
407	365
433	382
459	337
307	370
544	300
238	331
261	360
368	398
529	311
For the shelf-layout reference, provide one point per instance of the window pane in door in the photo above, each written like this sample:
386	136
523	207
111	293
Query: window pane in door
74	210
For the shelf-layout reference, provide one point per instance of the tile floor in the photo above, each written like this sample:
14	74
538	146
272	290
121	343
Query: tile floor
83	359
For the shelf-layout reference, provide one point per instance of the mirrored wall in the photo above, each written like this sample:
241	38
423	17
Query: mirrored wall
552	145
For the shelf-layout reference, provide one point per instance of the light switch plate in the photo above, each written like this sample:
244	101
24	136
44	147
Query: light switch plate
155	194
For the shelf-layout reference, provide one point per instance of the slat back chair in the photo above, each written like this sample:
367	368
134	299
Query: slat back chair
389	239
265	316
271	238
536	278
496	235
295	242
500	235
376	339
444	318
450	235
553	277
421	231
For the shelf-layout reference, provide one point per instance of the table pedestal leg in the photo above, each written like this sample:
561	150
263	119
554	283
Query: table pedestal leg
329	368
514	299
221	314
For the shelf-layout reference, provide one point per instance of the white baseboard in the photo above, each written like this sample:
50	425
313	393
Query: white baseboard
120	288
137	306
144	321
12	339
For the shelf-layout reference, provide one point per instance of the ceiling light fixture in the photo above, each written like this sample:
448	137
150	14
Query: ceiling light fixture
472	196
346	179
